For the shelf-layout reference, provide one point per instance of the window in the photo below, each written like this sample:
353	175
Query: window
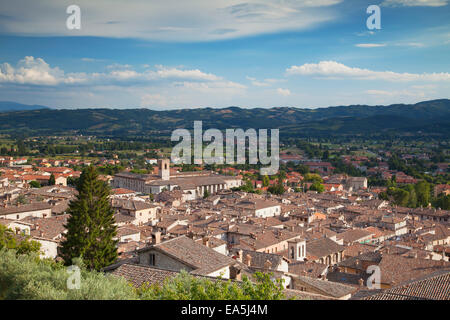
152	260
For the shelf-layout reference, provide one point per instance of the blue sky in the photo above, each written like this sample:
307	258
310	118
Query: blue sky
172	54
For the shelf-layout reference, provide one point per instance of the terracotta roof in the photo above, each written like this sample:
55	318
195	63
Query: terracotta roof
433	287
354	235
48	228
132	205
119	191
329	288
25	208
396	269
121	218
139	275
200	257
259	259
308	269
358	248
322	247
126	231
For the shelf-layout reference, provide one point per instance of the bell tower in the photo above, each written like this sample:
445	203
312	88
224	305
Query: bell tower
164	169
297	249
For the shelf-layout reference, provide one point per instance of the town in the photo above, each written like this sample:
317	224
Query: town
216	159
313	226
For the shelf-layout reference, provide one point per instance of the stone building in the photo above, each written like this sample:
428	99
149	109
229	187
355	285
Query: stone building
193	184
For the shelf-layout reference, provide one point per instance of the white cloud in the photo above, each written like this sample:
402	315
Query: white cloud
116	66
396	93
35	71
424	86
175	73
171	20
394	96
410	44
211	87
370	45
414	3
264	83
153	100
335	70
258	83
91	60
284	92
124	74
118	86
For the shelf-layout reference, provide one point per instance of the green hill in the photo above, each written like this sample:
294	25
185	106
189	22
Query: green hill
430	117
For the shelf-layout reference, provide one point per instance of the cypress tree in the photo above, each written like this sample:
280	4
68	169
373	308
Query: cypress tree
91	225
52	180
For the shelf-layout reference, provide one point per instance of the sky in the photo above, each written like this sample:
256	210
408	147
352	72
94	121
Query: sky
217	53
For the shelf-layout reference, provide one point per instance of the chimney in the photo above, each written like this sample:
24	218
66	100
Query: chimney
361	282
235	272
248	259
206	241
240	255
157	237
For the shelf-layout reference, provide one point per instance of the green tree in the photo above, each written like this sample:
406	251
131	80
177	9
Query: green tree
34	184
412	197
442	201
401	197
423	192
317	186
247	187
277	189
21	199
266	181
313	177
205	194
22	245
281	175
72	181
302	169
91	225
51	180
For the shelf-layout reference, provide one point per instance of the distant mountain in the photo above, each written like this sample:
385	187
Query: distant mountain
7	106
428	117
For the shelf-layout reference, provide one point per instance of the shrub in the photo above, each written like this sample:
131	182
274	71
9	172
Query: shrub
187	287
28	277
